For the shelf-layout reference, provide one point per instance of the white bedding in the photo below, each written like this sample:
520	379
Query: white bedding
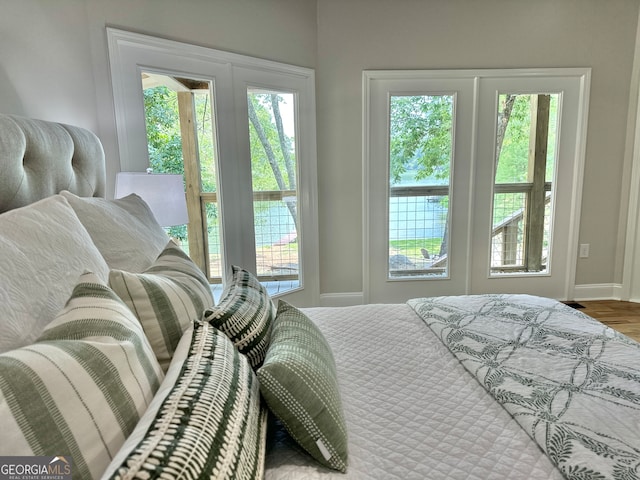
412	410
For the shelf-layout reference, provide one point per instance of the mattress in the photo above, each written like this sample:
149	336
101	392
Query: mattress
412	410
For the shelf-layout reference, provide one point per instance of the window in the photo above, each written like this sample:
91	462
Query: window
242	132
420	149
472	181
523	187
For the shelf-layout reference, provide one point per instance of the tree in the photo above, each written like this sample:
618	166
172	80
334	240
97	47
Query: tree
271	146
420	136
164	142
421	132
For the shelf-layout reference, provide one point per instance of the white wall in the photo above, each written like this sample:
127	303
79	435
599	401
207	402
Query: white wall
54	60
381	34
54	65
45	62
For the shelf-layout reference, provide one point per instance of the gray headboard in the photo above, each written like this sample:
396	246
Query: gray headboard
40	158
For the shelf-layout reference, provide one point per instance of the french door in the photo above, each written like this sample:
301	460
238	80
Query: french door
472	181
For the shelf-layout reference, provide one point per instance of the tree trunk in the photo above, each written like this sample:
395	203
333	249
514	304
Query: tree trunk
284	142
271	157
503	121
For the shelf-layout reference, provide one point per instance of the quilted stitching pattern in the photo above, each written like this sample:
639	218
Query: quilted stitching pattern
570	381
412	410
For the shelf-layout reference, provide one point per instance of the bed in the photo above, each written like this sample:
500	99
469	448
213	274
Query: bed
116	382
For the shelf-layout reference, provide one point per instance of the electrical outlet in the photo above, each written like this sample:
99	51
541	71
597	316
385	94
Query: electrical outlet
584	250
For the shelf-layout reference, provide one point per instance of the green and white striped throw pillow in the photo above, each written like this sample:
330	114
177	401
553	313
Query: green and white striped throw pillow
211	424
245	313
167	298
299	382
80	390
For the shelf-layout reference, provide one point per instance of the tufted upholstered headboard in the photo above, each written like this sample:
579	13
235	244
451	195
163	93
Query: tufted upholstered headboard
40	158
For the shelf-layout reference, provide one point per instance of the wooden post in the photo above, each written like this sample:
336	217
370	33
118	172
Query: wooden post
534	217
191	159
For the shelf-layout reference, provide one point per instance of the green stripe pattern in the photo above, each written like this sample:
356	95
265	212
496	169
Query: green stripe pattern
167	298
245	314
299	382
211	424
81	388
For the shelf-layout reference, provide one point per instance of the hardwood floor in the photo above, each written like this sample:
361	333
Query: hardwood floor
621	316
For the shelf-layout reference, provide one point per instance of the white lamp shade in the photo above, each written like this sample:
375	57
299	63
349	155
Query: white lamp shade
164	193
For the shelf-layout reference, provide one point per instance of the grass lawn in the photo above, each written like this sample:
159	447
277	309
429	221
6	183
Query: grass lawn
413	248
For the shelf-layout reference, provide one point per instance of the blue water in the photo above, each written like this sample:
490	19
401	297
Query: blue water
416	217
409	217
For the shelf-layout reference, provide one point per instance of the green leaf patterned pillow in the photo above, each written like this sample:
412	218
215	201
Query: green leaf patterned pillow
211	424
299	382
167	298
245	313
82	387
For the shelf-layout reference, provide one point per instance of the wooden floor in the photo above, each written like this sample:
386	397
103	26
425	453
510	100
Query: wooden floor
621	316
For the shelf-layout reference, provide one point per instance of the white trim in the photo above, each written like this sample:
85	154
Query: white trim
580	80
578	181
366	130
597	291
341	299
631	271
231	74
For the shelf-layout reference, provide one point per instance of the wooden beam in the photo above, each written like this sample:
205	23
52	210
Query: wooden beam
191	159
537	170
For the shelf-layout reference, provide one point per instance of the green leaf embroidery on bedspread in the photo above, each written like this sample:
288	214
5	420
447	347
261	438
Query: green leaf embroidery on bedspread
571	382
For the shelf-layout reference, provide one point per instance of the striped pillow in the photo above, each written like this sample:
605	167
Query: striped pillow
299	383
211	423
166	298
82	387
245	313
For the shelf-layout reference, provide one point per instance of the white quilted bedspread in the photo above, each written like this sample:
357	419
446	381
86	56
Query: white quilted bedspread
412	410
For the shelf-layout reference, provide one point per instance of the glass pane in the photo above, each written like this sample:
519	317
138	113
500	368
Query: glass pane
525	165
420	142
274	178
175	107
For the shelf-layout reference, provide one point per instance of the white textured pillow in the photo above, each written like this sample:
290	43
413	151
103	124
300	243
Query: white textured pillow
43	250
124	230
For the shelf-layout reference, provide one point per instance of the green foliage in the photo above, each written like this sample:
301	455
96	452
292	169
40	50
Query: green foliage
420	136
163	130
514	157
165	143
412	247
264	169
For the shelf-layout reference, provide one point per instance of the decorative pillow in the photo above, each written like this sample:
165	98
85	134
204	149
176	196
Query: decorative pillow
124	230
43	250
245	313
82	387
210	425
298	380
166	298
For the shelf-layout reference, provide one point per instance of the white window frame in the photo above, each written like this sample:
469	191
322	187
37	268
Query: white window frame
231	74
377	85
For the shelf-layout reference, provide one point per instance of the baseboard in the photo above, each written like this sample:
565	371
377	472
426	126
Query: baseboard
597	291
341	299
